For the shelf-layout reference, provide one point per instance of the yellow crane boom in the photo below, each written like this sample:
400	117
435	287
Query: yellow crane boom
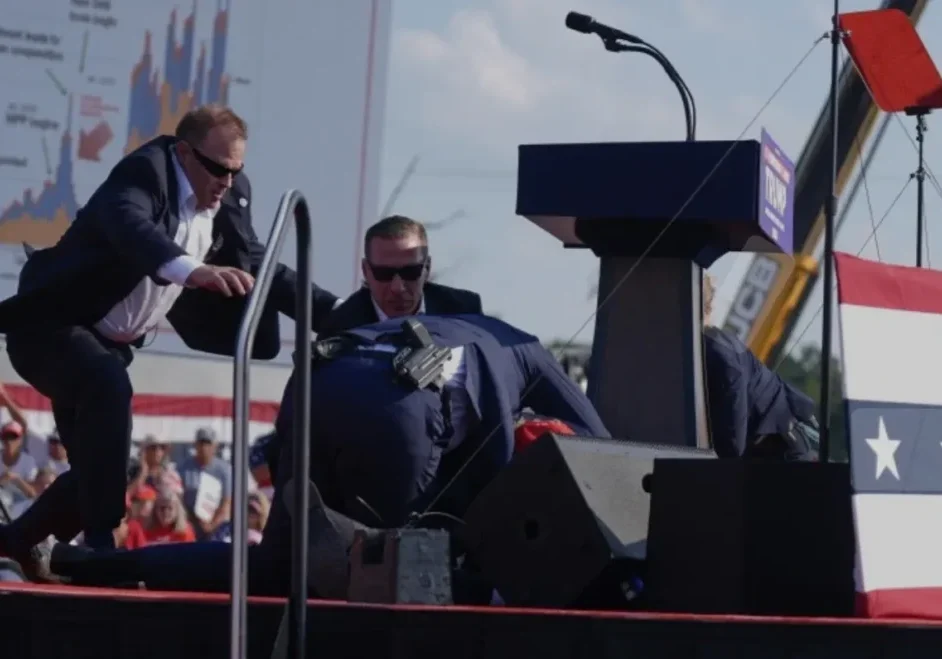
776	286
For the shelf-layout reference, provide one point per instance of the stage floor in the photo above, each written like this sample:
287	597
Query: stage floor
65	622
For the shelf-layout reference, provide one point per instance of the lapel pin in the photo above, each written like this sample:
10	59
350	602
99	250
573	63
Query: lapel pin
243	202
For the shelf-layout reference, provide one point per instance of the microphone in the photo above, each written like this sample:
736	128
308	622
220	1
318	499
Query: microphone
611	39
588	25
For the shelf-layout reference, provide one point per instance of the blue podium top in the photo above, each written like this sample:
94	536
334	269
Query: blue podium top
695	198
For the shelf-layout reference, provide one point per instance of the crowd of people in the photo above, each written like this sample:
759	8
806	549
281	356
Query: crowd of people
189	500
173	495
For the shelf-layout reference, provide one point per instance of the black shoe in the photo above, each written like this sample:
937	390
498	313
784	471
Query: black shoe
65	559
85	566
36	563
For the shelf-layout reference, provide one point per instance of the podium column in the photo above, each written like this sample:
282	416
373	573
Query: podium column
646	371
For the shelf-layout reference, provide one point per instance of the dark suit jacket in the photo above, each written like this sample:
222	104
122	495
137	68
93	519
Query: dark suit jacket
123	234
745	398
506	369
358	310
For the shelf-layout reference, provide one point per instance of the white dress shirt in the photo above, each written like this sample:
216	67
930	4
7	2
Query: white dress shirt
148	303
455	373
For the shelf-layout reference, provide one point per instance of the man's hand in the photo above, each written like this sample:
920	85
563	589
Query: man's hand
221	279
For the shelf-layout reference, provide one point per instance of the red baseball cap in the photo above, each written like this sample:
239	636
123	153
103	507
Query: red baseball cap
144	493
11	429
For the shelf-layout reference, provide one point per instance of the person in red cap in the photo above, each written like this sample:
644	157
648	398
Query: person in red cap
18	469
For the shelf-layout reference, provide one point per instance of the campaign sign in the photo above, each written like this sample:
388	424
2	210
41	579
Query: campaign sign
776	194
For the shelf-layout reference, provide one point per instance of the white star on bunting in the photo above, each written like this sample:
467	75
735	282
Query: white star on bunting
884	449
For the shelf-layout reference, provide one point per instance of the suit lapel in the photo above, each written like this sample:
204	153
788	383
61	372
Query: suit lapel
173	195
235	199
362	306
234	208
433	301
215	247
356	311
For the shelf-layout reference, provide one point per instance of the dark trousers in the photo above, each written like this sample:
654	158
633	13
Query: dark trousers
85	376
198	566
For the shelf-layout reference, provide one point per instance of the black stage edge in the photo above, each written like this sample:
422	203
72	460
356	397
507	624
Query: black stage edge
69	623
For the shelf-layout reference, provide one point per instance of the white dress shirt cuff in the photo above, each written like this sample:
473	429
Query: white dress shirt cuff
177	270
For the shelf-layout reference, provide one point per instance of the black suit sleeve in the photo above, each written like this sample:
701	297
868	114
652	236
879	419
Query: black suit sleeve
125	211
727	399
285	282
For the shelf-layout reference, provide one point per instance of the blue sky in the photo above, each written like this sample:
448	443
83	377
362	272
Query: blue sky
469	80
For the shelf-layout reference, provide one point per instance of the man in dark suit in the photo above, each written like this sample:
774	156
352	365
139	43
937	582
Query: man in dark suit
396	269
753	412
380	448
168	231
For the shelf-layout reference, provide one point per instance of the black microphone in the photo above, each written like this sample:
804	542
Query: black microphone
588	25
610	39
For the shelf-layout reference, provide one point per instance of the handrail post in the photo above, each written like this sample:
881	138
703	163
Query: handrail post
292	202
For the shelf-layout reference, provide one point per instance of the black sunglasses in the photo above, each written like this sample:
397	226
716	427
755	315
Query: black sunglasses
212	167
406	272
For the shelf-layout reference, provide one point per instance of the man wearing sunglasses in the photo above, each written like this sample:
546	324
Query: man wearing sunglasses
167	235
753	412
396	267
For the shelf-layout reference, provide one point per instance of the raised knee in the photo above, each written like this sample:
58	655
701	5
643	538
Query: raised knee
108	379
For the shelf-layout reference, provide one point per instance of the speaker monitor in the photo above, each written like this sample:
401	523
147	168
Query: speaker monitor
751	537
566	521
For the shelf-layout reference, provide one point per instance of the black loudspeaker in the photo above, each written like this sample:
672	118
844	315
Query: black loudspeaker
565	523
751	537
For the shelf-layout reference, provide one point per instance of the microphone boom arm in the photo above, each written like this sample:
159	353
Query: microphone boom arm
686	97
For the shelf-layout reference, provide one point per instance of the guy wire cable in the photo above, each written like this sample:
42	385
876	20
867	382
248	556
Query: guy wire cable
631	270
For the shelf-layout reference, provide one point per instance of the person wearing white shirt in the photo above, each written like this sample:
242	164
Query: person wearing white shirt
171	224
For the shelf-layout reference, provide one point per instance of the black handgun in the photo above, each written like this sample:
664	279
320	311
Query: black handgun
421	363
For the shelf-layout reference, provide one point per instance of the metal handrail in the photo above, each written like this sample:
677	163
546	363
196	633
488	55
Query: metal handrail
292	202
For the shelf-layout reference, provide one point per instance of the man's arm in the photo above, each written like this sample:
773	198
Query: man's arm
224	509
550	392
727	390
125	211
220	517
285	282
284	288
15	412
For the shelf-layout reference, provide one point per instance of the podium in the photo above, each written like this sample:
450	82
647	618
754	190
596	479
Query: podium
656	213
